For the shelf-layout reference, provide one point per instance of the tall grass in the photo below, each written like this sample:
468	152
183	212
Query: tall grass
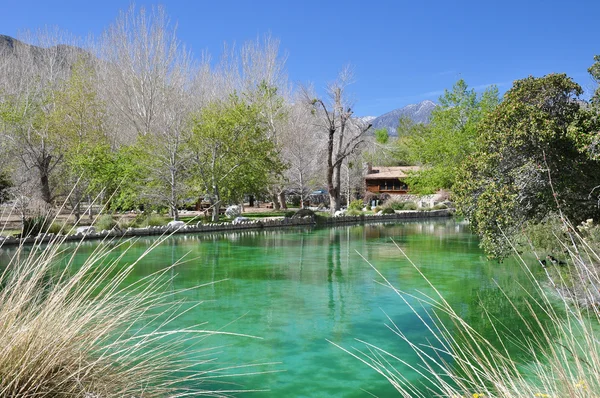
559	358
70	330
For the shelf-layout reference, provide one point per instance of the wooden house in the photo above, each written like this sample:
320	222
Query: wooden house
390	180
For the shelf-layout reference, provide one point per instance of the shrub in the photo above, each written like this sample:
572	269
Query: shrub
353	212
356	205
105	222
368	207
36	225
388	210
439	206
289	214
153	220
410	206
395	205
60	228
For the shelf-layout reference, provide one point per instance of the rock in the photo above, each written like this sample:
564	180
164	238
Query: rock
239	220
233	211
175	224
85	230
339	213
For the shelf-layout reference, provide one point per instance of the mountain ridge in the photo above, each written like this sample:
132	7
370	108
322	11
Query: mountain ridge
418	113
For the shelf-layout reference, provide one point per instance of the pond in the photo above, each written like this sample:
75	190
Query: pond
298	288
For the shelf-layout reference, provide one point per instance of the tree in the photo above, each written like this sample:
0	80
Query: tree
594	72
443	145
77	121
29	76
299	138
144	81
344	134
381	136
526	163
232	152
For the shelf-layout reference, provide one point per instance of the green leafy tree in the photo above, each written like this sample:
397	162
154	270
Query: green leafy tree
594	71
527	163
233	154
381	136
443	145
77	121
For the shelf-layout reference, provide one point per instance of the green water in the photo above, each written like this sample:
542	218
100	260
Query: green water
296	289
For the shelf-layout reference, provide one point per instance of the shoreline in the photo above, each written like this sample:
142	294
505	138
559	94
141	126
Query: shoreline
214	227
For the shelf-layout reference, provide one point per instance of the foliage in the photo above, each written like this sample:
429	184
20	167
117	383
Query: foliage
594	72
353	212
232	152
388	210
152	220
443	145
356	205
5	184
36	225
105	222
527	163
382	136
439	206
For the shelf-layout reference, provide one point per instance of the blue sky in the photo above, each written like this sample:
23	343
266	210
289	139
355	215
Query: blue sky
402	51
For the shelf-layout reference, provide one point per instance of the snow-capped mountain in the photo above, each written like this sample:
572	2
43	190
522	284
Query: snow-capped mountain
418	113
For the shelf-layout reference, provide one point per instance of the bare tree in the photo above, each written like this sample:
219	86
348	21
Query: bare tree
345	134
300	151
147	75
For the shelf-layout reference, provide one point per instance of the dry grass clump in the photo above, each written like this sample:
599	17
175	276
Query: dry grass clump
81	331
562	354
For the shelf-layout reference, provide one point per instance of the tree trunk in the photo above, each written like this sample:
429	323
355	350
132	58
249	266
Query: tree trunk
282	200
275	201
215	211
45	180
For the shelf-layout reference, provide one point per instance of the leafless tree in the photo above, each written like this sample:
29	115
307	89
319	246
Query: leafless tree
344	134
146	79
300	150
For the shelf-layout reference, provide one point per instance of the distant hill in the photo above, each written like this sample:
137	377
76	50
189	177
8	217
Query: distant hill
418	113
65	54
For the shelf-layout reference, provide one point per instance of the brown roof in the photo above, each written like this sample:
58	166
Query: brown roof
380	172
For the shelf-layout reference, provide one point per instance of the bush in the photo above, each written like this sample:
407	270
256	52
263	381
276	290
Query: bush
410	206
388	210
105	222
289	214
368	207
353	212
36	225
60	228
356	205
439	206
152	220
